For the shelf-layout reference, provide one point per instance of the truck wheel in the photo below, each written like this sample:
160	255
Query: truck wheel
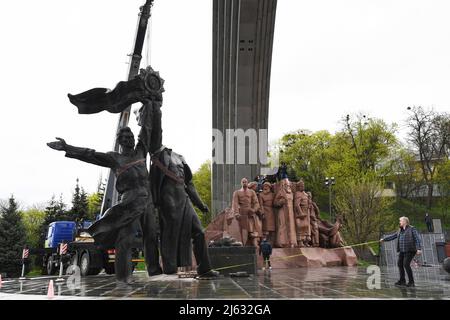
109	268
51	269
85	262
85	266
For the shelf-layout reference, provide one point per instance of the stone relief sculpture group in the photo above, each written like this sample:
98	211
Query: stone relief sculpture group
284	214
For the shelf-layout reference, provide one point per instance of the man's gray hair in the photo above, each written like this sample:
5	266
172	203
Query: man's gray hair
406	219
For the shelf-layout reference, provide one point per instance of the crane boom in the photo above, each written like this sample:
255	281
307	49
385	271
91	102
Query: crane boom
110	196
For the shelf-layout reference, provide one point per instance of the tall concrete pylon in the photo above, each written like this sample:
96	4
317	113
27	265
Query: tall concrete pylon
243	32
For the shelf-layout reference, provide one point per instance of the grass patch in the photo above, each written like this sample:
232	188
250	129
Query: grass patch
34	273
363	263
141	266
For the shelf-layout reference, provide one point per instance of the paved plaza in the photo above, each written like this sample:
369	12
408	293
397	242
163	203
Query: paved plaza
302	283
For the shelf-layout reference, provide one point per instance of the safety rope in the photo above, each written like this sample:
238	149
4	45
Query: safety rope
296	255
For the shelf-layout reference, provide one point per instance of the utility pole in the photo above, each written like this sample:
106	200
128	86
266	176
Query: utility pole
110	197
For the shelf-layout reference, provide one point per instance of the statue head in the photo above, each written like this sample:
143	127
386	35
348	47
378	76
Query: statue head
301	186
287	186
309	195
244	183
266	187
125	137
253	185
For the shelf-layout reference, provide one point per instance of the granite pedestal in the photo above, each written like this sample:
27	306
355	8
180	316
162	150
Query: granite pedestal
233	259
288	258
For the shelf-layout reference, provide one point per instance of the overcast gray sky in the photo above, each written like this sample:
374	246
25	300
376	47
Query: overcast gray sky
330	58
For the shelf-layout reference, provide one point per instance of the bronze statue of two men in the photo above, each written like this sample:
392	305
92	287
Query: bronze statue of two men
168	186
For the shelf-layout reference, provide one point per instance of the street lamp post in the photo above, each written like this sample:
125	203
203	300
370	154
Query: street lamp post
330	182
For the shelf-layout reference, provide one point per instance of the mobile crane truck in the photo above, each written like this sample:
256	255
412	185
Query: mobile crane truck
82	250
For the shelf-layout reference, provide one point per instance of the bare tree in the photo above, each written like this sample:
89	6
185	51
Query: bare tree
406	174
429	135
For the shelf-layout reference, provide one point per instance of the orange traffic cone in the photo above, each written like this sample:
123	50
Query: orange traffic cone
51	290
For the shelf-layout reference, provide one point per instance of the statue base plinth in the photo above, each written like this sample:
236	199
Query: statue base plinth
289	258
233	259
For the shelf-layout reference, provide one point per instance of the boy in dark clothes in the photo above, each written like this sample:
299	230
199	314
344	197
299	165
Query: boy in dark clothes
265	248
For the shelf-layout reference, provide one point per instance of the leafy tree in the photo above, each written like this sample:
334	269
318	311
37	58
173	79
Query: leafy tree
95	200
12	239
405	174
371	143
363	209
363	147
32	219
308	156
202	182
429	135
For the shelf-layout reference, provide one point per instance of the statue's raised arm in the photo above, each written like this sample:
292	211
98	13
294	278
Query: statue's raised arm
85	154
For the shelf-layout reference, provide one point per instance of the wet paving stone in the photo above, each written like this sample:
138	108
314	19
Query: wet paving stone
302	283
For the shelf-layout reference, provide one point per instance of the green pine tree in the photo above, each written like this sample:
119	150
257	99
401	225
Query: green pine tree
55	211
79	209
12	239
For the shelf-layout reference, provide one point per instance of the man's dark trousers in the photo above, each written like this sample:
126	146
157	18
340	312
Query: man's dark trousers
404	263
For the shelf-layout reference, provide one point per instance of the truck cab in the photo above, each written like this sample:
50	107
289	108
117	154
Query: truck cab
60	231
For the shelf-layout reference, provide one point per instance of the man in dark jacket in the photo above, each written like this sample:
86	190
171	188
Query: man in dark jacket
408	245
265	248
429	222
